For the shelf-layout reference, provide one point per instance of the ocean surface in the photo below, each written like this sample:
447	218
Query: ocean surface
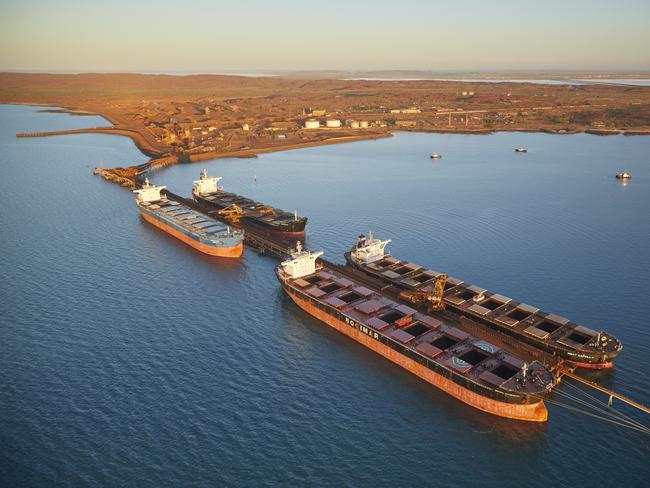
129	359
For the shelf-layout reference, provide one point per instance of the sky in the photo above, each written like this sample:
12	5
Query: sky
253	35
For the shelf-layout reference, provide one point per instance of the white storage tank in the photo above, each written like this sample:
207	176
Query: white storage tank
312	124
332	123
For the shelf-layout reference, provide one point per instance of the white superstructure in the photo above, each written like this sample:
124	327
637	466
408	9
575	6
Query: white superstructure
148	192
301	263
206	184
368	250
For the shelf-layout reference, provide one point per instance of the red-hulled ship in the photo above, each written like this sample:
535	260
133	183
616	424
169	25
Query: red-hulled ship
194	229
576	344
244	212
474	371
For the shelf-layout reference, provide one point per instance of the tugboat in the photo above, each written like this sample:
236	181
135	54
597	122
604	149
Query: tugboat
195	229
471	370
246	213
436	156
623	176
551	333
521	150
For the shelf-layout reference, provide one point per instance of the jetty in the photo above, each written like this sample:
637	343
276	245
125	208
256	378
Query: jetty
149	147
571	397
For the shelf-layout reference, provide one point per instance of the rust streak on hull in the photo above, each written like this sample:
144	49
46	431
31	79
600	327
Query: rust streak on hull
607	365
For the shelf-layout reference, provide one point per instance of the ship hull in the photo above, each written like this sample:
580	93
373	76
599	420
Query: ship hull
532	412
233	251
606	365
268	231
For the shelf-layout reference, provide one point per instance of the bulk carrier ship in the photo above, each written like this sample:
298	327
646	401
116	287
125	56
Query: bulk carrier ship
576	344
239	210
195	229
474	371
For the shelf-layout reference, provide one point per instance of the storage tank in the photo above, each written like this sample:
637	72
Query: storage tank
332	123
312	124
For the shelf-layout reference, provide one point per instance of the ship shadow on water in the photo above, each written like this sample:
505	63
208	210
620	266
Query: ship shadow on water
523	434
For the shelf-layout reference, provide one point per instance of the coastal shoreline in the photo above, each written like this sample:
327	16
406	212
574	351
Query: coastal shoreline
197	118
142	144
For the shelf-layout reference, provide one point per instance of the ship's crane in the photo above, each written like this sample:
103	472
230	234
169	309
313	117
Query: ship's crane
433	299
233	213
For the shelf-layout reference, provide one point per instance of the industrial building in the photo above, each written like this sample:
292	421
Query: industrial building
333	123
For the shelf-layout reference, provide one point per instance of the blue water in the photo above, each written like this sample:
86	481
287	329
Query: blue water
129	359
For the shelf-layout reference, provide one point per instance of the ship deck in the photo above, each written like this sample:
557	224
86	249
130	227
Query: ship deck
423	335
251	208
507	314
185	217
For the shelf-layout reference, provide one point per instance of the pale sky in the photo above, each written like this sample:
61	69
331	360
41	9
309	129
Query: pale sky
248	35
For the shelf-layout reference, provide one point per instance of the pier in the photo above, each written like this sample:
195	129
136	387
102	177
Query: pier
570	399
607	391
143	141
97	130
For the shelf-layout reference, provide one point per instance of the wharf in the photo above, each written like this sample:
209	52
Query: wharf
280	249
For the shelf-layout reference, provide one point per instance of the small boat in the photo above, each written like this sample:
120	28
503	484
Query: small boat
623	176
436	156
521	150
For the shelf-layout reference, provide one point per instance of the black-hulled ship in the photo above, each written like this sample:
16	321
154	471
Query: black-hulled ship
576	344
244	212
